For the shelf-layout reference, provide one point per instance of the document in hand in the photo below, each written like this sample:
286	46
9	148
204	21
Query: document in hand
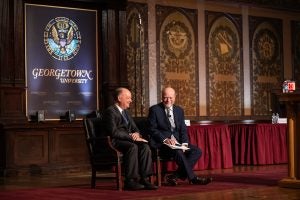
177	146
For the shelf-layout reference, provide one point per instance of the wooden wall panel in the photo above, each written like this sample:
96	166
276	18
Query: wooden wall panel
6	34
29	148
296	51
114	51
2	151
12	103
44	148
18	58
68	146
137	58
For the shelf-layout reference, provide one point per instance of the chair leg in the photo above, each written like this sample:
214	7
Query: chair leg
93	179
152	179
158	173
119	177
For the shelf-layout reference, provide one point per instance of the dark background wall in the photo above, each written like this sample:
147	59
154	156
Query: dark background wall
57	146
111	54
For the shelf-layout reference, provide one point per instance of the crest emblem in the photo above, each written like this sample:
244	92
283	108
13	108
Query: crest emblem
62	38
266	46
177	39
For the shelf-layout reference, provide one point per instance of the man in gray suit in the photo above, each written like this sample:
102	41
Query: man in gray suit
167	127
137	159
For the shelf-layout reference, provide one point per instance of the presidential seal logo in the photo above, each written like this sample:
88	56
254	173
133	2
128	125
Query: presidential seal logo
62	38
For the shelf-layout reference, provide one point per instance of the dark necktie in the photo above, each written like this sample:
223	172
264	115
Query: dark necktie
124	116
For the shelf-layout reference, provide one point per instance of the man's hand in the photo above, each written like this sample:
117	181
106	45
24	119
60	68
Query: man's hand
170	141
186	145
137	137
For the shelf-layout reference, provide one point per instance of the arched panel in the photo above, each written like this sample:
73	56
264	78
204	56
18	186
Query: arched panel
267	72
178	60
224	86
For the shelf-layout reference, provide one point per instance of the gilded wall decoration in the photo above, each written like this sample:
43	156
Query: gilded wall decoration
296	51
273	4
224	71
137	58
266	61
177	57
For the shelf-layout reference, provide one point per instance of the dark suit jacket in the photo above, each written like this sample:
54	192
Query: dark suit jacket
116	126
160	126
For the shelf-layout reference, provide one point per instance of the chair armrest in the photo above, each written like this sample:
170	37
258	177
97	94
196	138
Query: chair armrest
102	146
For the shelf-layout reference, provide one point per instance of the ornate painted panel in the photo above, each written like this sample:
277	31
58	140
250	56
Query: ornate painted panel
266	62
137	57
273	4
296	51
224	65
177	55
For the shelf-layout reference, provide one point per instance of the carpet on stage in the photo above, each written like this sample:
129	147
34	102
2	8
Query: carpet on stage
107	189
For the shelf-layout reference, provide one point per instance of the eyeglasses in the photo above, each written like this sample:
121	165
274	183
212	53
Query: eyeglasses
168	98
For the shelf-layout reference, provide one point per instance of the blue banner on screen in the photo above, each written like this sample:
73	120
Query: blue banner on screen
61	60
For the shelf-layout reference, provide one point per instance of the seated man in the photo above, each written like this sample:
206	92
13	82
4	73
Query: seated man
137	159
167	127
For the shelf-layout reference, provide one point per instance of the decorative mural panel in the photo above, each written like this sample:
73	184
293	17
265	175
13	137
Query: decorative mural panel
266	62
177	55
273	4
137	58
224	71
296	51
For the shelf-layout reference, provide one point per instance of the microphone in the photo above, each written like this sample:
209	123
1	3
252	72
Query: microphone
169	112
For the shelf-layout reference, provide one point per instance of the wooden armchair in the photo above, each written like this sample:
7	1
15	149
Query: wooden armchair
102	154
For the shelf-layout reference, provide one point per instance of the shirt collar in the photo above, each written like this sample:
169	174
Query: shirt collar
171	108
119	108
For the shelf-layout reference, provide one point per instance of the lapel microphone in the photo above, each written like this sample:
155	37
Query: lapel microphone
168	113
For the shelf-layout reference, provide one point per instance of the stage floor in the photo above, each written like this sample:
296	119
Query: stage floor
239	182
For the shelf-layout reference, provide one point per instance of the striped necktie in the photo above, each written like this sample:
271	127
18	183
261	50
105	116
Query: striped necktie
171	118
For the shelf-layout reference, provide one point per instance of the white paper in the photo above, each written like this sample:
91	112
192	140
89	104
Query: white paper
282	120
187	122
177	145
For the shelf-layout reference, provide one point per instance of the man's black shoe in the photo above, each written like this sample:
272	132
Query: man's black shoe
132	185
148	185
171	180
200	180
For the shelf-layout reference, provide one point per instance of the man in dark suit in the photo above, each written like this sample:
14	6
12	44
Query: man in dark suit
167	127
137	159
